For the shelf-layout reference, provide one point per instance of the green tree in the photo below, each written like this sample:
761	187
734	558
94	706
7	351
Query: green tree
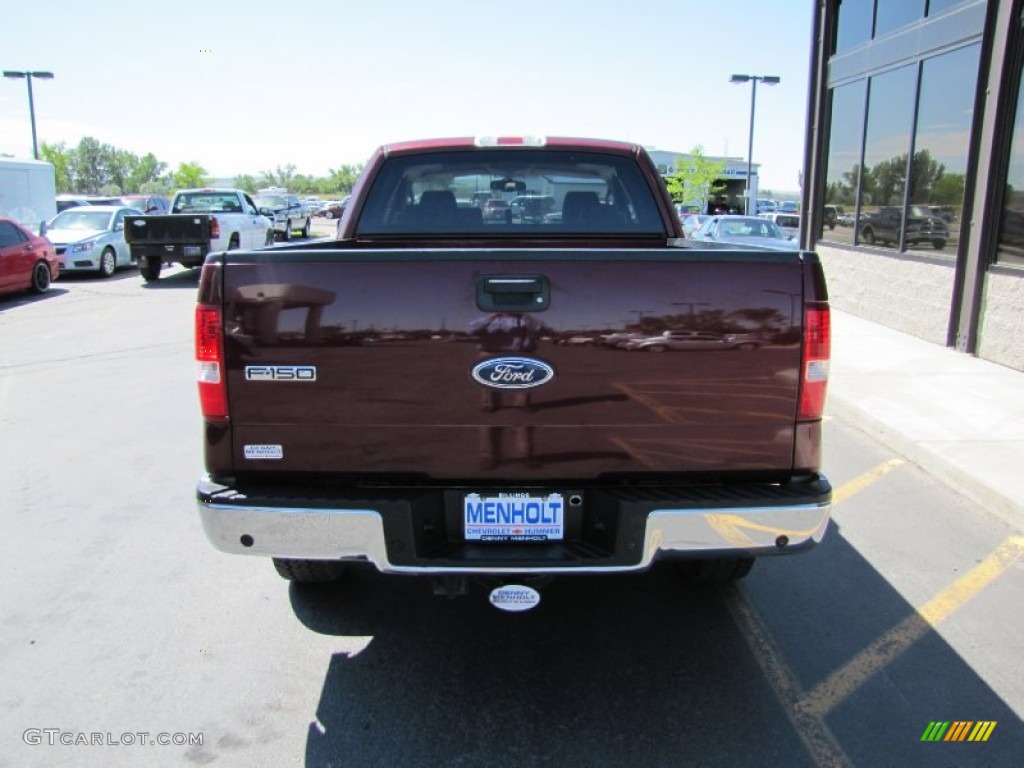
246	182
282	177
90	165
694	178
154	188
146	169
889	179
60	157
189	176
340	180
303	184
925	174
948	190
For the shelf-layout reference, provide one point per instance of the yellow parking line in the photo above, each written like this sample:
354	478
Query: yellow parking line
833	690
818	740
858	484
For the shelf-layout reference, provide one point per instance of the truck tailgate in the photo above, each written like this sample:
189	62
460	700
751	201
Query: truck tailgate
368	361
170	229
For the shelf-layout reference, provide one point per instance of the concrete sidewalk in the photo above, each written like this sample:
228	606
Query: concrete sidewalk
958	417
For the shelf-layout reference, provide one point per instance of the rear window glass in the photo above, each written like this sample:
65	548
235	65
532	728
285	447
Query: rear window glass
514	192
206	202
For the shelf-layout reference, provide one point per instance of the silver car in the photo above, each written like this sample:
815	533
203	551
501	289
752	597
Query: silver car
744	230
91	238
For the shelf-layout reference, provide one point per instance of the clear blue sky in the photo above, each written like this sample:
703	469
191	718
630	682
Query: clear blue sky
245	87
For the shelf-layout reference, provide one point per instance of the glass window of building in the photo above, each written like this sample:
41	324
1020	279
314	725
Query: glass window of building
846	134
854	24
893	14
883	180
935	7
938	171
1011	224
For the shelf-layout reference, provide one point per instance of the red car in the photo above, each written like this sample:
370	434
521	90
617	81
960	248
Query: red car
27	261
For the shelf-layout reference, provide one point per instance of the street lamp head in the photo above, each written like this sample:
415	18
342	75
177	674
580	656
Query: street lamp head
771	80
22	75
739	79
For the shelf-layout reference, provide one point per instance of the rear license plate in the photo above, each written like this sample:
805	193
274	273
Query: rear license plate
192	250
514	517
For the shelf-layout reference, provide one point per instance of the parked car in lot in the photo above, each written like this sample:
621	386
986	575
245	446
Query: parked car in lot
789	223
831	215
91	238
71	201
884	227
201	221
531	208
788	206
690	341
27	261
333	209
744	230
497	209
144	203
287	212
692	222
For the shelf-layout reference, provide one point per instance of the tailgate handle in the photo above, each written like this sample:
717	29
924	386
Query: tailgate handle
520	293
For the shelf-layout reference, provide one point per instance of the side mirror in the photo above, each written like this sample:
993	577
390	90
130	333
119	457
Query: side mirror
42	228
267	212
119	226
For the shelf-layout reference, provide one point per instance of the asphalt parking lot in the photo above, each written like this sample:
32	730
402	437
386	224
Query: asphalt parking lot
121	619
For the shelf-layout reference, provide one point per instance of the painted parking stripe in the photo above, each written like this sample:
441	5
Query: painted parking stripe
828	694
858	484
810	727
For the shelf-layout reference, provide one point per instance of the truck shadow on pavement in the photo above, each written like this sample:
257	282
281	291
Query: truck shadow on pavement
180	278
641	670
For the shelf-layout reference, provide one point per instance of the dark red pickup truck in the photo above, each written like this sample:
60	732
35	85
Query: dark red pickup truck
450	394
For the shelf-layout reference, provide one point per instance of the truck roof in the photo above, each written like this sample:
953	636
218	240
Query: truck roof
526	142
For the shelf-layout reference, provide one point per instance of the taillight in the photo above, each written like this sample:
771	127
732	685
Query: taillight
214	227
213	395
817	351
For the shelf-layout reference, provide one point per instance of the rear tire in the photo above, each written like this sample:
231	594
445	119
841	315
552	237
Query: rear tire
720	570
868	237
938	245
310	571
150	267
287	234
270	237
41	278
306	229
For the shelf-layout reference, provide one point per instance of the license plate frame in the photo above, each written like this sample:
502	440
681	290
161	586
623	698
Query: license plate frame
514	517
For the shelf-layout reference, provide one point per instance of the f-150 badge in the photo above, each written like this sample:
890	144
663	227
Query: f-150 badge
513	373
280	373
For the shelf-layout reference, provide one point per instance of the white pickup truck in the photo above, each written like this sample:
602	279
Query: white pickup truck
201	221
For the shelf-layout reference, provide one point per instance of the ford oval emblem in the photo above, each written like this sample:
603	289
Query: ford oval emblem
513	373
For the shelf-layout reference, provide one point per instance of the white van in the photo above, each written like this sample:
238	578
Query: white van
27	192
789	223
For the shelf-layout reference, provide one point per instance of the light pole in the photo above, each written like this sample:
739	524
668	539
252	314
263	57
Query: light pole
27	76
767	80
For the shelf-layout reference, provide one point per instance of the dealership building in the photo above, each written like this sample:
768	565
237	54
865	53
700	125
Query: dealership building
730	186
914	168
